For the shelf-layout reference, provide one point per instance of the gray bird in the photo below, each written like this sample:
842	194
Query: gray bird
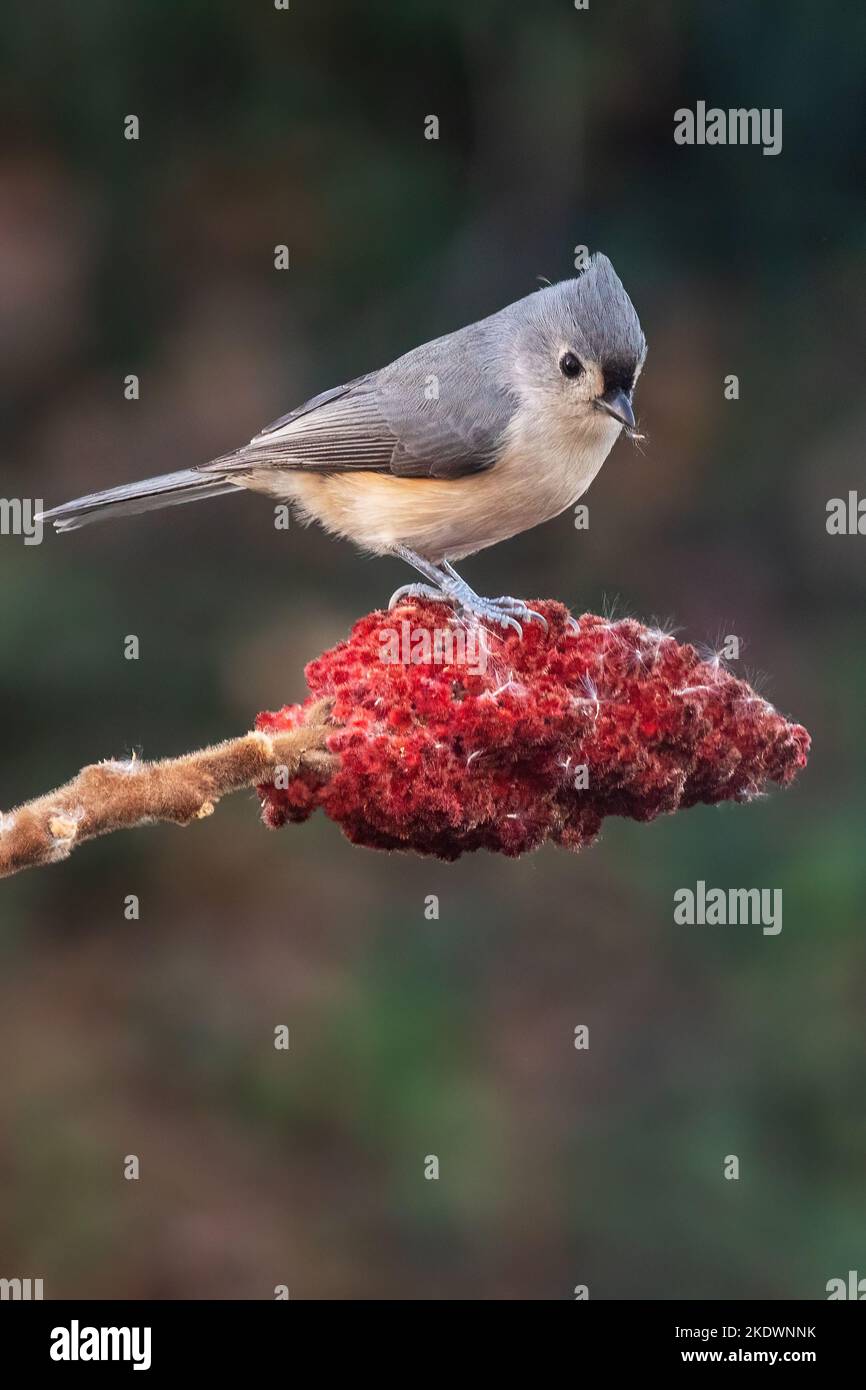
460	443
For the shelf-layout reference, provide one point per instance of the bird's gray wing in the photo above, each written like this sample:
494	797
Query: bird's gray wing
335	393
447	404
431	414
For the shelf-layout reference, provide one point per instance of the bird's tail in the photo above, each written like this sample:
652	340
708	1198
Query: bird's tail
170	490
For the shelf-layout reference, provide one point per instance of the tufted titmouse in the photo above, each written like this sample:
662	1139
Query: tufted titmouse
461	443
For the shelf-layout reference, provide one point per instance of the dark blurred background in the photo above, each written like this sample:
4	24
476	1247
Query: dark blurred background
412	1037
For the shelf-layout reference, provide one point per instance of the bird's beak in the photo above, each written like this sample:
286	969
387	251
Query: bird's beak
618	404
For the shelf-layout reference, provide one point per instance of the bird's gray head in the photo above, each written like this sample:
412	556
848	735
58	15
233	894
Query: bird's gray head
577	348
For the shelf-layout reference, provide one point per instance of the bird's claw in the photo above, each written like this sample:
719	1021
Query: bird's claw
504	612
414	591
487	611
477	607
516	608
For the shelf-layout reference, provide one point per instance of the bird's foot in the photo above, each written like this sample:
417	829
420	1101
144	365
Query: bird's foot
448	587
516	608
468	603
503	611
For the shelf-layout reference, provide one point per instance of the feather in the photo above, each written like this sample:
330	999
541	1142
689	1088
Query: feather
169	490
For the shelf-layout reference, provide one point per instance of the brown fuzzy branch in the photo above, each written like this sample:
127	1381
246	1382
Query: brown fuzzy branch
120	795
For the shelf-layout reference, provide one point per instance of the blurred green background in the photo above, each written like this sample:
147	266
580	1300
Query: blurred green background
412	1037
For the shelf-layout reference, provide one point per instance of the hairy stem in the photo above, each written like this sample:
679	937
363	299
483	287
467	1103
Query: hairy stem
116	795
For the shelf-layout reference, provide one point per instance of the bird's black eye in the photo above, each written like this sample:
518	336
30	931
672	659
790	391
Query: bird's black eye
570	365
